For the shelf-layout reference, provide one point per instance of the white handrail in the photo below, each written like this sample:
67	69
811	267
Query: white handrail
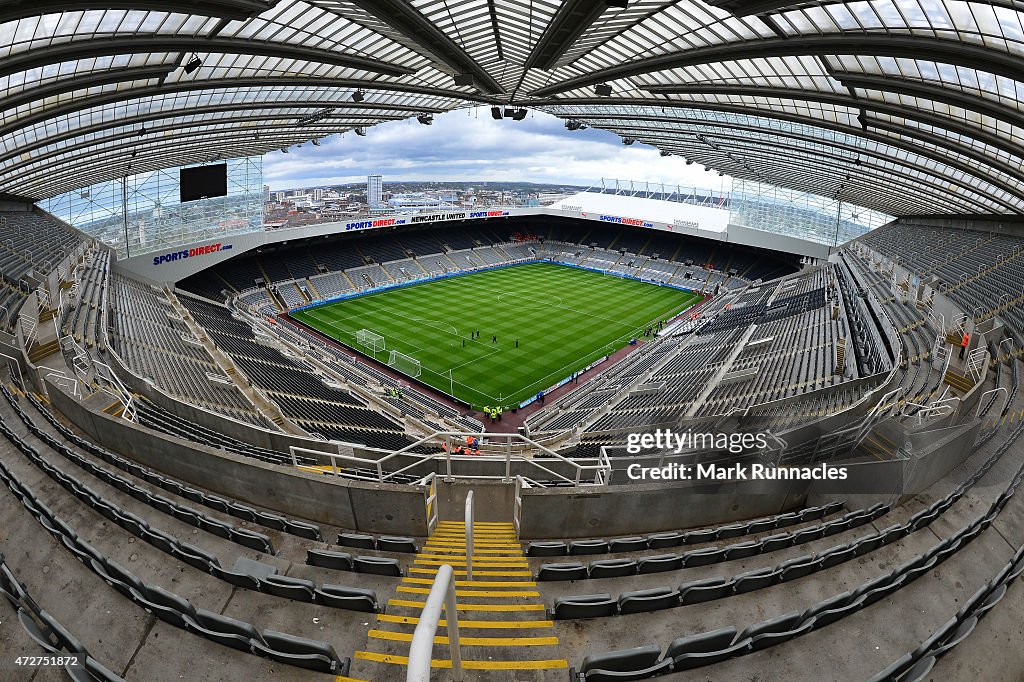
442	596
469	535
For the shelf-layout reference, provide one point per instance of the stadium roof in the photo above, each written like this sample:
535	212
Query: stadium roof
904	106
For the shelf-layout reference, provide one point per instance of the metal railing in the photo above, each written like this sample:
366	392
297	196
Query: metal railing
441	597
599	468
469	535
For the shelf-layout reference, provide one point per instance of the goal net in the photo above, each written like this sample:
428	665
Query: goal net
372	340
404	364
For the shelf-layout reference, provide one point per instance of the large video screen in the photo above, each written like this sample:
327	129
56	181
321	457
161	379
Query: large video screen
202	182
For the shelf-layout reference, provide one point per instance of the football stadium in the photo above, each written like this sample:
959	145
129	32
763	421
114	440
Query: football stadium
634	429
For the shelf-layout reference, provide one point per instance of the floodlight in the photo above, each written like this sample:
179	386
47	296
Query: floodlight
358	96
496	113
603	90
193	64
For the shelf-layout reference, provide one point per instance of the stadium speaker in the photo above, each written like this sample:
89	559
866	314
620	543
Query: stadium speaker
519	115
509	112
358	96
361	132
316	143
628	141
689	162
665	153
193	64
425	119
496	113
621	4
464	79
603	90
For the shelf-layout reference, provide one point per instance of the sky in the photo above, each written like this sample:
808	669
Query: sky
468	145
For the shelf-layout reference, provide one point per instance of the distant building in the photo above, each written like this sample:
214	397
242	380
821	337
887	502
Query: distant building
374	190
317	195
266	194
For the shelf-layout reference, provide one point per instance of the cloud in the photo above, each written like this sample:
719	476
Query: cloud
468	145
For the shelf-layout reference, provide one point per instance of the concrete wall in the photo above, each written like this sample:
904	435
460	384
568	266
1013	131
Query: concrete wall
648	508
371	507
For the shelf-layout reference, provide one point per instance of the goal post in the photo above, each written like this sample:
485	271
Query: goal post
370	339
405	364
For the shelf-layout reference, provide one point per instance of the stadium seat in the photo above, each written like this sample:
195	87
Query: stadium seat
582	606
351	598
377	566
297	589
547	549
705	642
706	589
298	651
341	561
658	563
357	540
628	664
588	547
631	544
643	601
224	630
563	571
387	543
612	568
665	540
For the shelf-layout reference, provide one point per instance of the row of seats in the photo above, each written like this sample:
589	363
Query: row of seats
303	529
702	649
168	606
48	633
282	586
613	568
667	539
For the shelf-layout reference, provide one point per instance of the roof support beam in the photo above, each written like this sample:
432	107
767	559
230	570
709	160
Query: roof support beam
224	9
152	44
943	50
672	135
405	19
190	111
950	145
81	82
935	93
122	96
571	21
908	113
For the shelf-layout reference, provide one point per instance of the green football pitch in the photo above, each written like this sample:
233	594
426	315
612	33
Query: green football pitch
563	318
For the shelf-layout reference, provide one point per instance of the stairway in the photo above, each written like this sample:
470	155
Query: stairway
503	627
958	381
43	350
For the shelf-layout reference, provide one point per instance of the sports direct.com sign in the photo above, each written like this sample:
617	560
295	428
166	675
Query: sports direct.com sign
190	253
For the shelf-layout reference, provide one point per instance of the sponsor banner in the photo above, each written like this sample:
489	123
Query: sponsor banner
636	222
184	253
425	218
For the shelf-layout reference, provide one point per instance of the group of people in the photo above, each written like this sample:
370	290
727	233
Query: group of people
493	412
476	335
395	392
472	447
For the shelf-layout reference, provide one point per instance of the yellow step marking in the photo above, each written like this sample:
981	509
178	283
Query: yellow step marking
461	557
500	608
438	559
487	574
475	583
468	665
342	678
476	550
472	624
472	593
476	524
468	641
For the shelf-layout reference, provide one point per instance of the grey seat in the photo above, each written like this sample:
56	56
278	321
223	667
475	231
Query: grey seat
310	531
298	651
581	606
165	605
389	543
798	567
627	664
351	598
547	549
224	630
588	547
377	565
632	544
835	556
732	530
776	542
195	556
565	571
357	540
707	589
703	557
742	550
288	587
252	540
642	601
757	579
324	558
705	642
612	568
665	540
779	624
659	563
236	578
